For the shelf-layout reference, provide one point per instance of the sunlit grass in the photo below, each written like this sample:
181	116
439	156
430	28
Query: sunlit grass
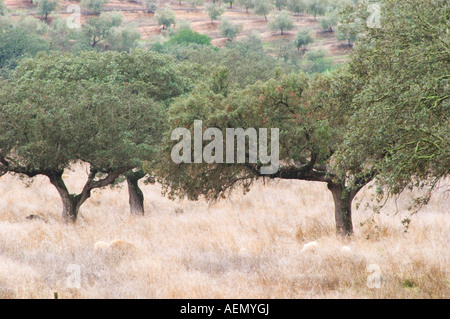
242	247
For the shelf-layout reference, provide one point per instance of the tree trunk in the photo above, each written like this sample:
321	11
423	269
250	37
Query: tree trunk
71	203
343	198
136	197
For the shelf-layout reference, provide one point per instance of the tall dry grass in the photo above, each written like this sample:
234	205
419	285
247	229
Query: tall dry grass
242	247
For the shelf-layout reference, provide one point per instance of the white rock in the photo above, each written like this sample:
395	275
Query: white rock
346	249
310	246
101	246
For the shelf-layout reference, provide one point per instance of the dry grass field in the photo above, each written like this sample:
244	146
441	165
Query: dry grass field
243	247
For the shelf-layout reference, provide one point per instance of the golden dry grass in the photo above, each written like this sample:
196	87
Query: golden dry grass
242	247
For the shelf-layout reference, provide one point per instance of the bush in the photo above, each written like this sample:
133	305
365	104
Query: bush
303	37
94	6
317	62
185	36
283	21
165	18
229	30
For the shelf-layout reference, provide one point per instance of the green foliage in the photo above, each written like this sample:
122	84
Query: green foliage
61	35
123	38
151	5
214	11
297	6
280	4
247	4
353	19
308	123
15	44
246	59
3	8
317	62
57	122
185	36
165	17
94	6
284	49
98	29
329	21
317	7
283	21
45	7
32	25
229	30
195	3
262	8
148	72
401	124
303	38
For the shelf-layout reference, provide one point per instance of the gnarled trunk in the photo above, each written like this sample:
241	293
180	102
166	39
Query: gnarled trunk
343	198
71	203
136	197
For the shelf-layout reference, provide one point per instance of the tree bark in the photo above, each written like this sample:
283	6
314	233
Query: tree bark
343	198
136	197
71	203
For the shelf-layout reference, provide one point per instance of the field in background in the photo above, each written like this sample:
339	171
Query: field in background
200	22
242	247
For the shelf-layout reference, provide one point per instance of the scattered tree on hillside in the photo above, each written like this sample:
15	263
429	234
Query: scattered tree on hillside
329	21
196	3
283	21
280	4
98	29
229	30
353	20
296	6
123	38
94	6
165	17
303	38
214	11
46	7
150	5
230	2
262	8
247	4
317	7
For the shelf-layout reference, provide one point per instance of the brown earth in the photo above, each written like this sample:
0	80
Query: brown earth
134	11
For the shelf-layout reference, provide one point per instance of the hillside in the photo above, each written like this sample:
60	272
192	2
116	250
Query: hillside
133	11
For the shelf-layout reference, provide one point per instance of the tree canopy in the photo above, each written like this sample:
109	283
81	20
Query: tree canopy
401	124
311	117
104	109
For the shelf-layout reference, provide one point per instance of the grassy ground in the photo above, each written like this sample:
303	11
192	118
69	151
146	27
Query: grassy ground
242	247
